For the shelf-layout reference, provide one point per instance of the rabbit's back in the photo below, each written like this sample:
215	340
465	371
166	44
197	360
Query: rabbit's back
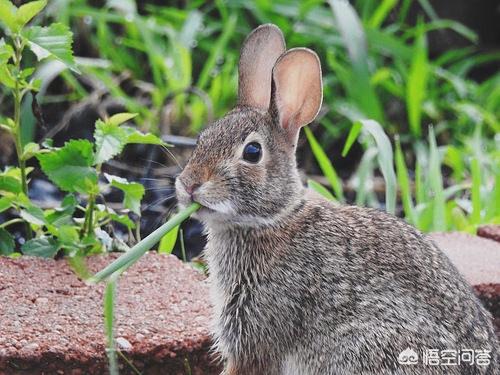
392	289
343	288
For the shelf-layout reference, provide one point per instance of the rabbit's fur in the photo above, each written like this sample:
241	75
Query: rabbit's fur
301	286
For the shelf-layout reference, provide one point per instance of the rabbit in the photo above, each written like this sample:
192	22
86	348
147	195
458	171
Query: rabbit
299	285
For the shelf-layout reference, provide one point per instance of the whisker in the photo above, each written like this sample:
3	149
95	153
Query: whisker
160	188
159	201
169	153
155	162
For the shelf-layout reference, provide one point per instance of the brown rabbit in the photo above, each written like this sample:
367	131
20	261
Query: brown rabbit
301	286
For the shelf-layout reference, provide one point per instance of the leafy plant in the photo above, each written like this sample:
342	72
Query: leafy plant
52	41
76	169
434	201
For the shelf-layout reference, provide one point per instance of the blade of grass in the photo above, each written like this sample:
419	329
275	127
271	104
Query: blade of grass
417	84
217	51
351	137
385	161
109	305
476	191
131	256
404	184
436	185
351	30
364	173
168	241
381	13
320	189
325	165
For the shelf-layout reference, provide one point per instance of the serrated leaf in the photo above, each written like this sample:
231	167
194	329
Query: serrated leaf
27	11
6	242
133	192
109	141
167	242
70	167
10	184
54	40
45	247
120	118
111	138
135	136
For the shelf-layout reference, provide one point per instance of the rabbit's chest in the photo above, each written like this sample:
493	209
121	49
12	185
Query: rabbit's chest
246	309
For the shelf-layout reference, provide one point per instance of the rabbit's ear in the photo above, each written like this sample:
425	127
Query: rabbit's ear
260	51
297	90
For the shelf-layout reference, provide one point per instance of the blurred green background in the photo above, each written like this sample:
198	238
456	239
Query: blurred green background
429	83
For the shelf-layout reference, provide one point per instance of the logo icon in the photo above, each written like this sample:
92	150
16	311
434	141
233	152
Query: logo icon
408	357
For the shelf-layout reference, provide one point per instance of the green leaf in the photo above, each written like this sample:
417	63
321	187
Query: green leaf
353	135
120	118
64	214
123	219
30	150
381	13
404	185
70	167
109	141
133	192
476	190
10	184
325	165
6	51
436	185
8	15
167	242
358	83
54	40
320	189
27	11
33	215
45	247
6	242
68	235
6	78
384	160
5	203
110	137
416	90
135	136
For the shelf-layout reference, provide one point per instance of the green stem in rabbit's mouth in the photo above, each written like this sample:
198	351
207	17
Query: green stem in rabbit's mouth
132	255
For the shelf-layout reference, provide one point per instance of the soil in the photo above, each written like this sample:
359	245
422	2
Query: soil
489	231
51	322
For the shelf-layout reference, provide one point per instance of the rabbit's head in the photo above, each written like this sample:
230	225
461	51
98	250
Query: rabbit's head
243	169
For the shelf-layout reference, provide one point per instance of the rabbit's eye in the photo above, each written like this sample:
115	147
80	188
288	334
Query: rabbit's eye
252	152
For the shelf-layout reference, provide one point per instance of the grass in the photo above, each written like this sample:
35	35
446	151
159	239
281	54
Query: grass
112	272
132	255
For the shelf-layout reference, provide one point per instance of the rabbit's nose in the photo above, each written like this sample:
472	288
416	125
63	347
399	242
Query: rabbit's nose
191	188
